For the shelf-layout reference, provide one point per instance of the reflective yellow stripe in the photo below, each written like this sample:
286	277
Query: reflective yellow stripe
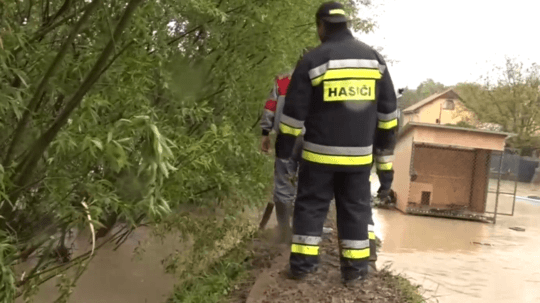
339	150
387	117
337	11
384	166
388	124
355	253
354	73
371	235
284	128
337	160
290	121
317	80
305	249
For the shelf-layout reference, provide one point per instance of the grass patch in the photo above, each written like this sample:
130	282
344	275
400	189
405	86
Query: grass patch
409	293
217	282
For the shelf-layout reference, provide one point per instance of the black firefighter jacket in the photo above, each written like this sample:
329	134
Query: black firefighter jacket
342	93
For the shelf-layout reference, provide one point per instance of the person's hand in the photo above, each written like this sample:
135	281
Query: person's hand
265	144
383	194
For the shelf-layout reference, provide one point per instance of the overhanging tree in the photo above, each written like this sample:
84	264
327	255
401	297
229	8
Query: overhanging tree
129	111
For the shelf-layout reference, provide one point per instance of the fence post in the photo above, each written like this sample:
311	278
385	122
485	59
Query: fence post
498	186
516	186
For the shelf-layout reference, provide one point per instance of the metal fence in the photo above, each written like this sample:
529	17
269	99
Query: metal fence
504	179
459	182
515	166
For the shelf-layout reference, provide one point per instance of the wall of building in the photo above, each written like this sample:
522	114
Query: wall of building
451	164
447	171
456	137
412	117
402	164
432	112
480	180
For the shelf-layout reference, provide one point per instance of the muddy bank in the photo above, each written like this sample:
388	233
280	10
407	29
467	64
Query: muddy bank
268	282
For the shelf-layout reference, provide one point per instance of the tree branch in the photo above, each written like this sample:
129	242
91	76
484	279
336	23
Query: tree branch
40	34
45	81
64	267
60	12
25	169
116	56
198	27
257	122
29	11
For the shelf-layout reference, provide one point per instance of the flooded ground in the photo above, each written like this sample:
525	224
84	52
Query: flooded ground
120	276
464	261
454	260
133	273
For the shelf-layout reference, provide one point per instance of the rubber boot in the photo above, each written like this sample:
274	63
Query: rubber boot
283	216
372	256
352	278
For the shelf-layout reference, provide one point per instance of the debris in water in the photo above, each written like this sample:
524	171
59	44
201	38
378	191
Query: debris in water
517	228
480	243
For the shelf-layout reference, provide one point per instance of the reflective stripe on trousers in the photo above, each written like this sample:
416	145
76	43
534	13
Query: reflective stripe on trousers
372	243
337	155
355	249
371	232
316	188
305	245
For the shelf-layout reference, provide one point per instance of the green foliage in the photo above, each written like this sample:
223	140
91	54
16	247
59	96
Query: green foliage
511	101
462	124
215	283
137	109
424	90
7	279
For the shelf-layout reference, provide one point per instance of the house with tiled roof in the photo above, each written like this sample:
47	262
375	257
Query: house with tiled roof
442	108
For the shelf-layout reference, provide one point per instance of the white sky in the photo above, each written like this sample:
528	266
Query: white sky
454	41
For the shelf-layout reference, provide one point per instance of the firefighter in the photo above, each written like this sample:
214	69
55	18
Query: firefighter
343	94
285	170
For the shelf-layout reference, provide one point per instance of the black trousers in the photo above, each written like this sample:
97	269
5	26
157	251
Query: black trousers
316	188
372	240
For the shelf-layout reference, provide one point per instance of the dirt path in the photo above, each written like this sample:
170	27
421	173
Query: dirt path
270	284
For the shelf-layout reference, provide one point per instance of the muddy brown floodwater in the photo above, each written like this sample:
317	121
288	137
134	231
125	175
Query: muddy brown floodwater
442	256
120	276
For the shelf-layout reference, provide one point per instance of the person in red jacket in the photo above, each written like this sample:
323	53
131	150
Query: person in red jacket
285	170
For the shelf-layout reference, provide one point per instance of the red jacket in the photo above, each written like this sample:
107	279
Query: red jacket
274	104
